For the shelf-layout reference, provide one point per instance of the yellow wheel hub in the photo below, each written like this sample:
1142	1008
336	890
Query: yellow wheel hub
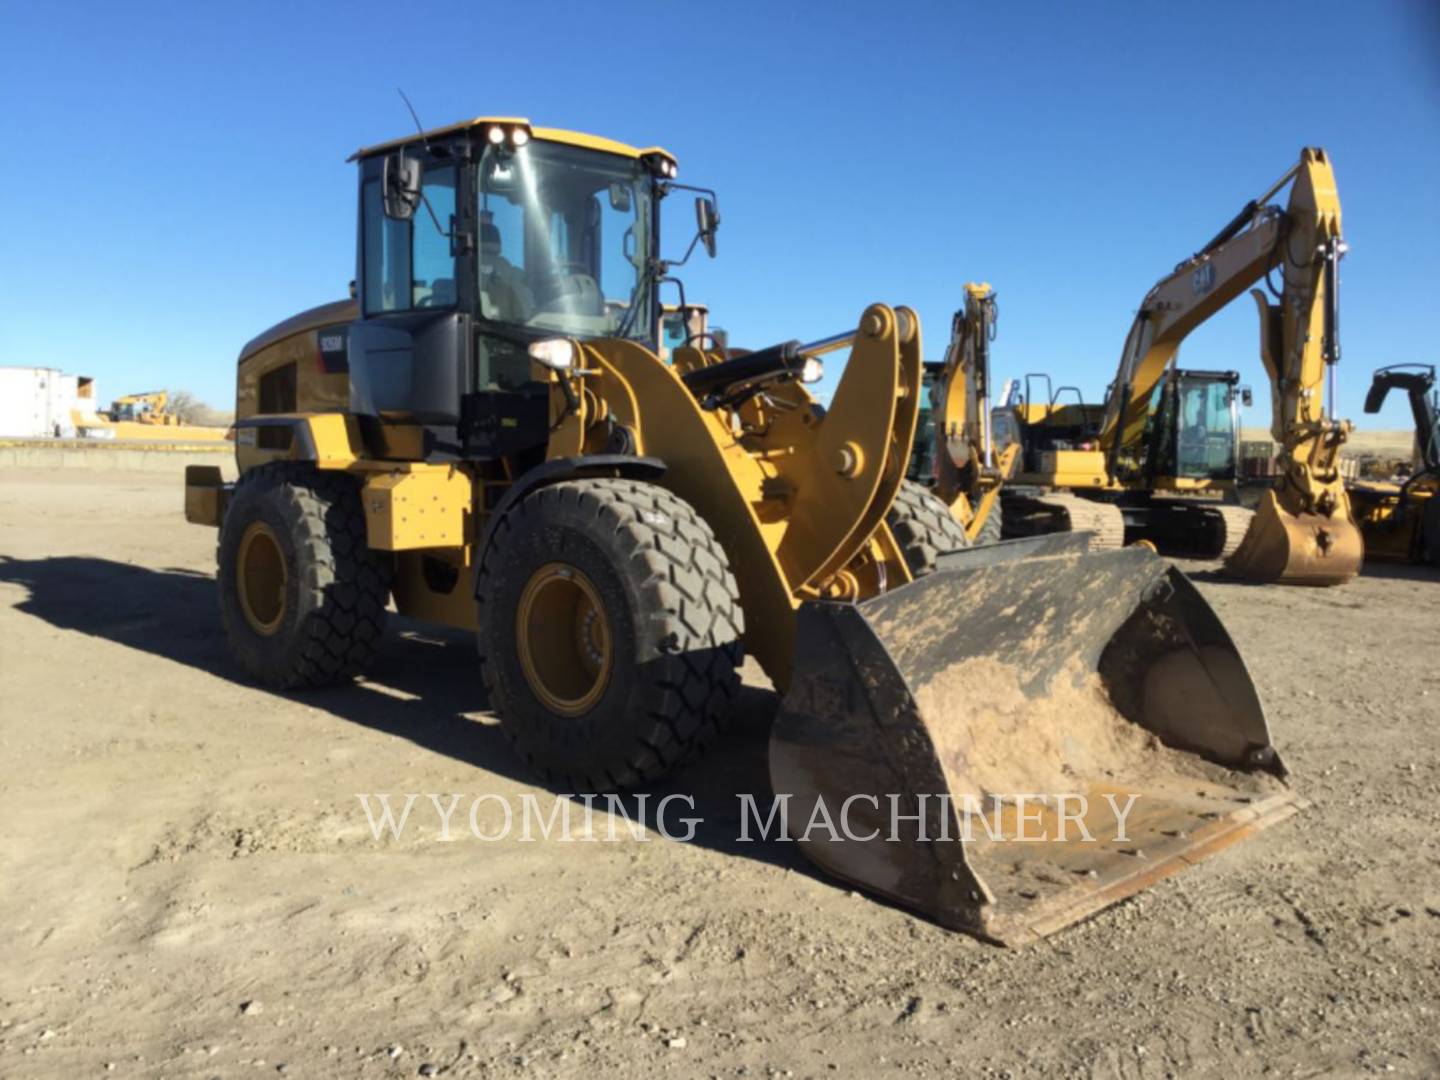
261	577
563	637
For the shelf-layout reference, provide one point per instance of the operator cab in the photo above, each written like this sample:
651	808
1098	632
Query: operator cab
486	249
1193	428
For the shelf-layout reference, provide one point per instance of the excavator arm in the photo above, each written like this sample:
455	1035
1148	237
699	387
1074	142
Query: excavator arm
1303	531
968	467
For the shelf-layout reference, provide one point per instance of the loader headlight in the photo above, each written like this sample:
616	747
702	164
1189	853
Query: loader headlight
496	135
519	137
813	370
558	354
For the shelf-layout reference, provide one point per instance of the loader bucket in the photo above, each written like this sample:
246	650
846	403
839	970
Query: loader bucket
1297	549
922	728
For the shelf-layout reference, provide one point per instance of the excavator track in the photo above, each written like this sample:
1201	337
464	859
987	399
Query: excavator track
1104	520
1207	532
1235	521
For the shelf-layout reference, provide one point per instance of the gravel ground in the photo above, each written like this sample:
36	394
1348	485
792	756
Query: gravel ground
191	888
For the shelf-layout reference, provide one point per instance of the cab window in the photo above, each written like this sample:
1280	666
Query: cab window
408	264
433	280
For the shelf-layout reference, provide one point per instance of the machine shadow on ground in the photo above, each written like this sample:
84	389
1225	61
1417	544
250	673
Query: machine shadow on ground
425	687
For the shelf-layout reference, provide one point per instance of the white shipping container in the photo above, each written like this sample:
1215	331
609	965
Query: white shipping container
35	402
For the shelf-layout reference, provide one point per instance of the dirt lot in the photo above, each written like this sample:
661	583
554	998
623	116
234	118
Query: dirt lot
189	886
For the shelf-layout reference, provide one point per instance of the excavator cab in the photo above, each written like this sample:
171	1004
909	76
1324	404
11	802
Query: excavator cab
922	454
1192	431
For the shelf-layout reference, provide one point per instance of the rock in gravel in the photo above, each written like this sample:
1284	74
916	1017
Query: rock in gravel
395	1051
428	1070
251	1008
676	1043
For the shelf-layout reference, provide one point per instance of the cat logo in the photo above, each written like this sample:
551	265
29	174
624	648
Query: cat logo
1203	280
332	343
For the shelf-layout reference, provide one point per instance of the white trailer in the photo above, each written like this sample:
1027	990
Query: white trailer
38	402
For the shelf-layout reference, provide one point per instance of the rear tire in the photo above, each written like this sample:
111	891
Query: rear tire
923	527
302	597
609	632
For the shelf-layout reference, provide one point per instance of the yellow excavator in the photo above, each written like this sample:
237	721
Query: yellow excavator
147	408
1401	521
487	437
955	453
1158	460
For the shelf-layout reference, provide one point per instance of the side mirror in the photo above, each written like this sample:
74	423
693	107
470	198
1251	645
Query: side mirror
1246	397
620	198
401	186
707	220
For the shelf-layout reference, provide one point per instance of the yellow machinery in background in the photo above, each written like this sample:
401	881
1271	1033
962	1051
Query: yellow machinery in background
488	437
1158	460
1401	521
147	408
143	417
689	324
955	451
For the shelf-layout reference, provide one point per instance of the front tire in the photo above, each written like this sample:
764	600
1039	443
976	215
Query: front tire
923	527
994	528
302	596
609	632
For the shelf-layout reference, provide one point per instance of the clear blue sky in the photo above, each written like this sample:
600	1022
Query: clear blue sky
175	181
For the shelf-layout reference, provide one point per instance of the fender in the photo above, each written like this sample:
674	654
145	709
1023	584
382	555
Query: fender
567	468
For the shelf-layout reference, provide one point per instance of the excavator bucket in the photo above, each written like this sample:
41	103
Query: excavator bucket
1297	549
968	744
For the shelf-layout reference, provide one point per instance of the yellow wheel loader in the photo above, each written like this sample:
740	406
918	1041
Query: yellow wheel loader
1401	521
487	437
1157	461
955	452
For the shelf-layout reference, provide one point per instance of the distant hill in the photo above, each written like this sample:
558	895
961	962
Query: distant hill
1386	444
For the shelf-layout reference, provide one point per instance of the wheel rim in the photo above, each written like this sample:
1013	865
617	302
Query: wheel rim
260	578
564	642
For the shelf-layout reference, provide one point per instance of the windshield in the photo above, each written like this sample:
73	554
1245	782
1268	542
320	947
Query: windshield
1205	436
564	241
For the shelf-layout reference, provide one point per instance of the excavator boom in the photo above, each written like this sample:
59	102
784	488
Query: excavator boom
1303	532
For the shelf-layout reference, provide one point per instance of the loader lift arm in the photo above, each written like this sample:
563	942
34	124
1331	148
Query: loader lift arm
1403	523
1303	532
1418	382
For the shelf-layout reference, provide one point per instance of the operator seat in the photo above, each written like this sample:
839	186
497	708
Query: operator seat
503	292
